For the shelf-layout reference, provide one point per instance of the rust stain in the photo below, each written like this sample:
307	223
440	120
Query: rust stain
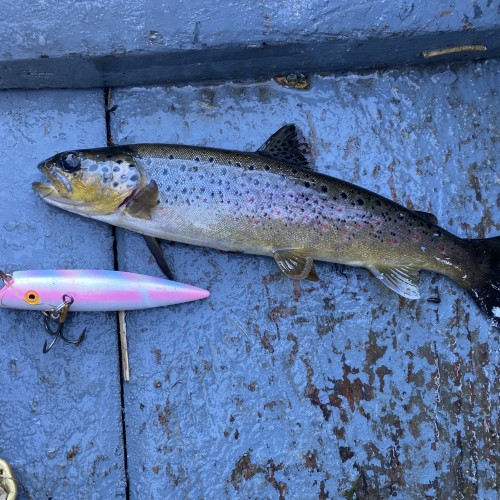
311	460
157	355
312	393
390	182
245	470
345	453
295	349
164	416
373	352
266	343
72	453
351	145
280	486
323	495
353	391
281	312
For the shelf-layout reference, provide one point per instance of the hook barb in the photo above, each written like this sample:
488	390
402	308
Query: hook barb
58	316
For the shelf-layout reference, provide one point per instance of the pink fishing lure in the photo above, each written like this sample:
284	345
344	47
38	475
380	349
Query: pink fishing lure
93	290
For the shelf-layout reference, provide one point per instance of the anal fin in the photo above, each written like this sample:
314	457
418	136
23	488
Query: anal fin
296	264
401	279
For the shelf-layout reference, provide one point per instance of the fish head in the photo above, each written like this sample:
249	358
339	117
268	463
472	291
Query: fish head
90	182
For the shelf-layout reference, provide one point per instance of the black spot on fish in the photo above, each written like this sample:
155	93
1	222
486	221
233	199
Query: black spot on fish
251	167
307	184
131	165
119	162
170	157
360	202
324	189
116	169
378	203
196	158
115	184
344	195
266	168
211	159
238	164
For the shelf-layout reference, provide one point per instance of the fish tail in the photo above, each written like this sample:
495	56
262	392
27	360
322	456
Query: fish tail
485	288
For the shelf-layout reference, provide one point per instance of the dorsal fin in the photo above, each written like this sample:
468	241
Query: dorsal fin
427	216
287	145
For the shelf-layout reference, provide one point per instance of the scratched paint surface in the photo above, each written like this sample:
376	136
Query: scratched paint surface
60	416
336	388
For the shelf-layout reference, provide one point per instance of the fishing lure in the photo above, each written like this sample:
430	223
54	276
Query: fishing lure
55	292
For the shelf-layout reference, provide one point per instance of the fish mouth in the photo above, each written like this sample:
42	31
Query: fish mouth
55	189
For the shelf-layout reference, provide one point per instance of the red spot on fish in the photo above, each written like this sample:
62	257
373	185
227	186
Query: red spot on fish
442	247
325	226
339	209
415	237
305	218
256	221
344	231
376	222
250	200
394	242
277	212
357	225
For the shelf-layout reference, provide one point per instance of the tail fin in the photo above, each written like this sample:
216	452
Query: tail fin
486	290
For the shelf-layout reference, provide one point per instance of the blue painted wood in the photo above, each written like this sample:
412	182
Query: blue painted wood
60	418
339	387
141	42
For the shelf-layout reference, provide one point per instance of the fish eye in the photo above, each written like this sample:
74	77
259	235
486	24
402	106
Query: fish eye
70	163
32	297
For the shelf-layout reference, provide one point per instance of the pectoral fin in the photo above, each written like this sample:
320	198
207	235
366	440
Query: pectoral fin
295	264
142	204
155	249
402	280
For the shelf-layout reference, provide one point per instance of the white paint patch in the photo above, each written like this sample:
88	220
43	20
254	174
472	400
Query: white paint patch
496	312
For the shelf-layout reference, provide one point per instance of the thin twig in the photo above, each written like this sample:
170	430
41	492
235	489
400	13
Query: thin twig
124	346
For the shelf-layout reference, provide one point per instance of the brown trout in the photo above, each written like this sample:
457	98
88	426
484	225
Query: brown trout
269	202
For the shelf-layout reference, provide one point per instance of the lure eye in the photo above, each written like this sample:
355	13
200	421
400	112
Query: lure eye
70	163
32	297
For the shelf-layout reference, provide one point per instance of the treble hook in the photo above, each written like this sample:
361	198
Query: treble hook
58	316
